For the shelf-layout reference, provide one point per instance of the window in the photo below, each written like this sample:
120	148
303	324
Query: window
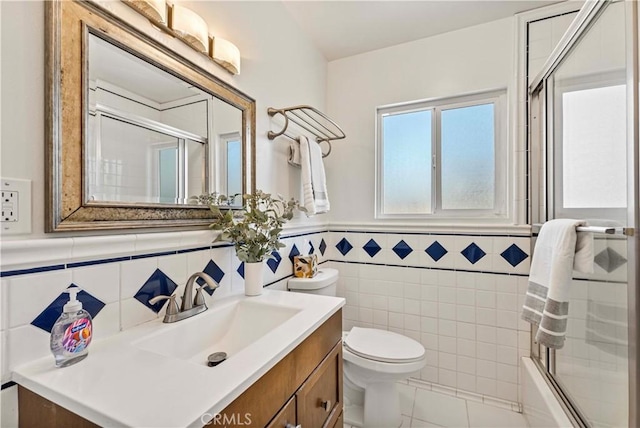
443	159
590	147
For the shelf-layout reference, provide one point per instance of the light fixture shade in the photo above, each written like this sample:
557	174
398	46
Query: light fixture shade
226	54
155	10
191	27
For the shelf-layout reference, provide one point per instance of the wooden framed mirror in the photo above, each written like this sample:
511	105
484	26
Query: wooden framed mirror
135	131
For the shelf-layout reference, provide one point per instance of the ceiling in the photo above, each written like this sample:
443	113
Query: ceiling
345	28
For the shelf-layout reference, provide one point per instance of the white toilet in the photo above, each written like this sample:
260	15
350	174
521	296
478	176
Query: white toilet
374	360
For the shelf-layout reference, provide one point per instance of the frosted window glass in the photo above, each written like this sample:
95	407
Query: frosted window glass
594	148
468	157
407	163
234	168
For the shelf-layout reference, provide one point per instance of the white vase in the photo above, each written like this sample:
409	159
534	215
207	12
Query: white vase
253	278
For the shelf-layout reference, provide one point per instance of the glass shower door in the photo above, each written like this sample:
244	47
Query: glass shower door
587	177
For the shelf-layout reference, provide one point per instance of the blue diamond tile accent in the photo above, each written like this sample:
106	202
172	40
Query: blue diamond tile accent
372	248
514	255
436	251
402	249
473	253
51	313
274	261
609	260
311	247
344	246
157	284
294	252
240	270
322	247
214	271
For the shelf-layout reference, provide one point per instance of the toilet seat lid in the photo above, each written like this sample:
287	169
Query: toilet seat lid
382	345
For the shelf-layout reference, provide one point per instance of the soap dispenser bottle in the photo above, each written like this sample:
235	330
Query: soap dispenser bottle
71	334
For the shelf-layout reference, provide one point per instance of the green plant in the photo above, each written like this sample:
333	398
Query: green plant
255	229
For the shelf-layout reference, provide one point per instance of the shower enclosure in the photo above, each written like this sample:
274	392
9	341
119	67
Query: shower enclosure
583	134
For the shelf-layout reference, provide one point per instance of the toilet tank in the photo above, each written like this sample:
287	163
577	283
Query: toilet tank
324	283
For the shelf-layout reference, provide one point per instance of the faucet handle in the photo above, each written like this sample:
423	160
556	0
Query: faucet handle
172	308
209	283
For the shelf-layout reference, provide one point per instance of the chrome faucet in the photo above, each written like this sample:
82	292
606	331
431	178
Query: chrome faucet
190	306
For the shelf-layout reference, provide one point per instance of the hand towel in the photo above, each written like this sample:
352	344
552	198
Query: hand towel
294	153
314	184
558	251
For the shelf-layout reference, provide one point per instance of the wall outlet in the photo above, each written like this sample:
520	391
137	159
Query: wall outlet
16	206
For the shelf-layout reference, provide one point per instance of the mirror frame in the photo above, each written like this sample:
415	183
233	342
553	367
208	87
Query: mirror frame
68	24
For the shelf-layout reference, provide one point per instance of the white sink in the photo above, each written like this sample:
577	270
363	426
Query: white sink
224	328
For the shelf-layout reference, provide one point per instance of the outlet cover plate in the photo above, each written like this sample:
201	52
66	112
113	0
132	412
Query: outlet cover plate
16	204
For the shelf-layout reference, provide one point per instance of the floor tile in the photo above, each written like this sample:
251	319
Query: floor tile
440	409
407	397
482	415
417	423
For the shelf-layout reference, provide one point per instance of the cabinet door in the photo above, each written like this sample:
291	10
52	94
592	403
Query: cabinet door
286	417
319	400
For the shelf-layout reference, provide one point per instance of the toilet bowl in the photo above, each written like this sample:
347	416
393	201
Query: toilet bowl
374	361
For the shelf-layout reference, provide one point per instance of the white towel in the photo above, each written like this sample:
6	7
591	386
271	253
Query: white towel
314	184
558	252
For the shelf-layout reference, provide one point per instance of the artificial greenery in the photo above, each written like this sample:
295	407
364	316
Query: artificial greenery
255	229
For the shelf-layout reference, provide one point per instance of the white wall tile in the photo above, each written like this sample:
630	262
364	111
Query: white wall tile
133	275
102	247
107	322
4	304
31	294
175	267
27	343
9	410
101	281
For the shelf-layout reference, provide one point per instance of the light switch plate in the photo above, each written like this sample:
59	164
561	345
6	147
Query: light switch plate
16	206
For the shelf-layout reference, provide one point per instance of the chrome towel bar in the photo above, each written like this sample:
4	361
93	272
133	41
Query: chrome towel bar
608	230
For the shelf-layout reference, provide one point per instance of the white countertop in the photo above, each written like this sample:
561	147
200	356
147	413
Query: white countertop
120	384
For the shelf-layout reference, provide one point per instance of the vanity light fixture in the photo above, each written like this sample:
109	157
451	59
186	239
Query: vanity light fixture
225	53
190	26
154	10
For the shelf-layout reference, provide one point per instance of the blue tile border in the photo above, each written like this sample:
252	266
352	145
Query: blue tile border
97	262
40	269
31	270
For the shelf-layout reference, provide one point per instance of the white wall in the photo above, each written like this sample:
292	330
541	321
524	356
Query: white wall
455	63
280	67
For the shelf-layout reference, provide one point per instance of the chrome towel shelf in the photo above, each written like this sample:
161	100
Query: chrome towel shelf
309	119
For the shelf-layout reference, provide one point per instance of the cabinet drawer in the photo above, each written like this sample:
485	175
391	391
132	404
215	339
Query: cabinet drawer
319	400
286	417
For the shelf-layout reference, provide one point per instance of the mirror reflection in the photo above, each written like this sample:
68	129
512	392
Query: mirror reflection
153	138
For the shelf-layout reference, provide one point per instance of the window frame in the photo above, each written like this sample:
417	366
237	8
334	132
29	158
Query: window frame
499	212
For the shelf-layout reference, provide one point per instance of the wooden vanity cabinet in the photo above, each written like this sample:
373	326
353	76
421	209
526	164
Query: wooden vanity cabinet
304	389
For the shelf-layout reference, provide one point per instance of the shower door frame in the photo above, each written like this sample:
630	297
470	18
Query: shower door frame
540	88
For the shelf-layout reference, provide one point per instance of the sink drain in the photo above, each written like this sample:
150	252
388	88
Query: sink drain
216	358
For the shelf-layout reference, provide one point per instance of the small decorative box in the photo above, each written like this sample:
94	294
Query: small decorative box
305	266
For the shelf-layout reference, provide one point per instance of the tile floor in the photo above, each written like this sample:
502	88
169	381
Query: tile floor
423	408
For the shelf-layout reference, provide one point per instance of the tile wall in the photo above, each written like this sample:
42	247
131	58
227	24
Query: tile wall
116	290
458	294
